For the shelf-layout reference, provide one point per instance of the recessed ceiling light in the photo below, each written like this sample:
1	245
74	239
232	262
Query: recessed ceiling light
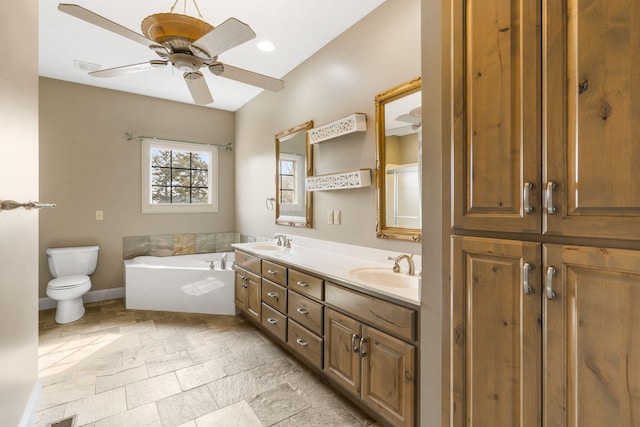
266	46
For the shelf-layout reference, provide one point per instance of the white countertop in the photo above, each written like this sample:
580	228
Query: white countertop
336	260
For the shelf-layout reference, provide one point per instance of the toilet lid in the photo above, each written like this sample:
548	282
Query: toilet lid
69	281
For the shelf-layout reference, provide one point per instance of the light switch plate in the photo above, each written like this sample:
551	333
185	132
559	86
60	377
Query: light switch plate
329	217
99	215
337	217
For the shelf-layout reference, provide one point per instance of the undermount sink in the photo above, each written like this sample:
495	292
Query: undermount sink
381	276
266	247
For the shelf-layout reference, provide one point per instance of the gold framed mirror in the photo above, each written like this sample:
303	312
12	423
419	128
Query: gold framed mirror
294	162
398	162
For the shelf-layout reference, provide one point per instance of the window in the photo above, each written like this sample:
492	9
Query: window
288	191
178	177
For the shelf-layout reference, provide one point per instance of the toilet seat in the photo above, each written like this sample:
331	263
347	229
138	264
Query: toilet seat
69	282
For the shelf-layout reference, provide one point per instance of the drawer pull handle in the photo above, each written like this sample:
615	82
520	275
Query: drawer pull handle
526	196
526	268
272	320
550	272
354	346
301	342
272	294
363	352
302	284
272	272
302	310
243	284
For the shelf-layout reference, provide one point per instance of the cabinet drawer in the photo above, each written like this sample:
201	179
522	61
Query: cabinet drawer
306	312
248	262
274	272
274	322
395	319
274	295
306	284
305	343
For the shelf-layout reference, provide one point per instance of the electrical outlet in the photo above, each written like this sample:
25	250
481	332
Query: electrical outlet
329	217
337	217
99	215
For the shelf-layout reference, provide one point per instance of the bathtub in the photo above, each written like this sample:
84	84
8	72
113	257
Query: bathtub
184	283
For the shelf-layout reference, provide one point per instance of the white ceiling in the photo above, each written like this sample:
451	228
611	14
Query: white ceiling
298	28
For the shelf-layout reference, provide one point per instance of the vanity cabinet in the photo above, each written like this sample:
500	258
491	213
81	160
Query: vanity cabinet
365	345
248	293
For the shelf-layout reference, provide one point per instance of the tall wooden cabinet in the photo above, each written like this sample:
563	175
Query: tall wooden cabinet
546	187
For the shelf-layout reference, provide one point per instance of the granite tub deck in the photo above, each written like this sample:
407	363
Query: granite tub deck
119	367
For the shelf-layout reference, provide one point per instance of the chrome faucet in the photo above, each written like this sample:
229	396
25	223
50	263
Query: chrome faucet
396	263
212	266
283	240
223	262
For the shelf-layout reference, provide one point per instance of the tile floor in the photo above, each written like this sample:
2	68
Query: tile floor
117	367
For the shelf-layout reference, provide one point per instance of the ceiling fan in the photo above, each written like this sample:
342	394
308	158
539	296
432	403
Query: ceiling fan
185	42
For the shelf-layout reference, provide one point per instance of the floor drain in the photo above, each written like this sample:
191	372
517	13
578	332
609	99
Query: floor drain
67	422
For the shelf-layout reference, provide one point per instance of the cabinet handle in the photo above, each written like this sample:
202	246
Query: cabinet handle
551	185
272	272
354	346
272	320
550	272
527	197
363	352
272	294
302	284
302	310
526	268
301	342
243	284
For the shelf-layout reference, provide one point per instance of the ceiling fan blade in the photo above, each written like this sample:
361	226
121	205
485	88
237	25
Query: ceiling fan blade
229	34
198	87
409	118
102	22
246	76
128	69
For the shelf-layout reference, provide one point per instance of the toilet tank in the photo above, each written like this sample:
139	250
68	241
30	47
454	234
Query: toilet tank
74	260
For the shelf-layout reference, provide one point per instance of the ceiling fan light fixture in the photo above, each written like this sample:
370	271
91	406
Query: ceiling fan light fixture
174	28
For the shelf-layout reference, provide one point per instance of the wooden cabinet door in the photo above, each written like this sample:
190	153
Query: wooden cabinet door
497	123
254	296
592	336
496	333
342	350
592	153
240	291
388	376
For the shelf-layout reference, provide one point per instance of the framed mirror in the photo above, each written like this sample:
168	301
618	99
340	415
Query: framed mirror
398	162
294	162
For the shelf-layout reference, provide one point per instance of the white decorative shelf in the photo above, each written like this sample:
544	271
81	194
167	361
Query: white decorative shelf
339	181
356	122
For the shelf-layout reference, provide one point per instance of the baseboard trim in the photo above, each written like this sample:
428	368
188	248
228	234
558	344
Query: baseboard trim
92	296
32	405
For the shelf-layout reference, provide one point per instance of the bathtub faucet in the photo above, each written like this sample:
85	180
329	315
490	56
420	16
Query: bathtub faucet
212	265
223	262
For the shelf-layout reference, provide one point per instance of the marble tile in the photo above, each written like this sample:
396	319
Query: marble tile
152	389
184	244
161	245
142	416
224	241
275	373
133	246
45	417
119	379
200	374
234	388
326	415
235	362
97	406
205	243
278	404
238	414
138	327
68	391
135	356
168	363
183	407
212	350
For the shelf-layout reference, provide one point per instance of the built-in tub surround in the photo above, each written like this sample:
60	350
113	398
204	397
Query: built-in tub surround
338	261
182	244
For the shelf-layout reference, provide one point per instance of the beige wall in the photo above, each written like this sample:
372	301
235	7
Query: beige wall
18	228
378	53
86	164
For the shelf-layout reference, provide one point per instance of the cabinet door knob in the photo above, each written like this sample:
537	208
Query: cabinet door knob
551	185
302	310
354	346
550	272
272	320
526	268
301	342
527	197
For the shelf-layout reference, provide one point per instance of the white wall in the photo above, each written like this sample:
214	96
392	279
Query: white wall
378	53
87	164
18	228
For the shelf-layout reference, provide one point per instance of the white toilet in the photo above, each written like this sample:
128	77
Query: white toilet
71	268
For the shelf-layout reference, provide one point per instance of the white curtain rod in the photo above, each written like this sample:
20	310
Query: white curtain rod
131	136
